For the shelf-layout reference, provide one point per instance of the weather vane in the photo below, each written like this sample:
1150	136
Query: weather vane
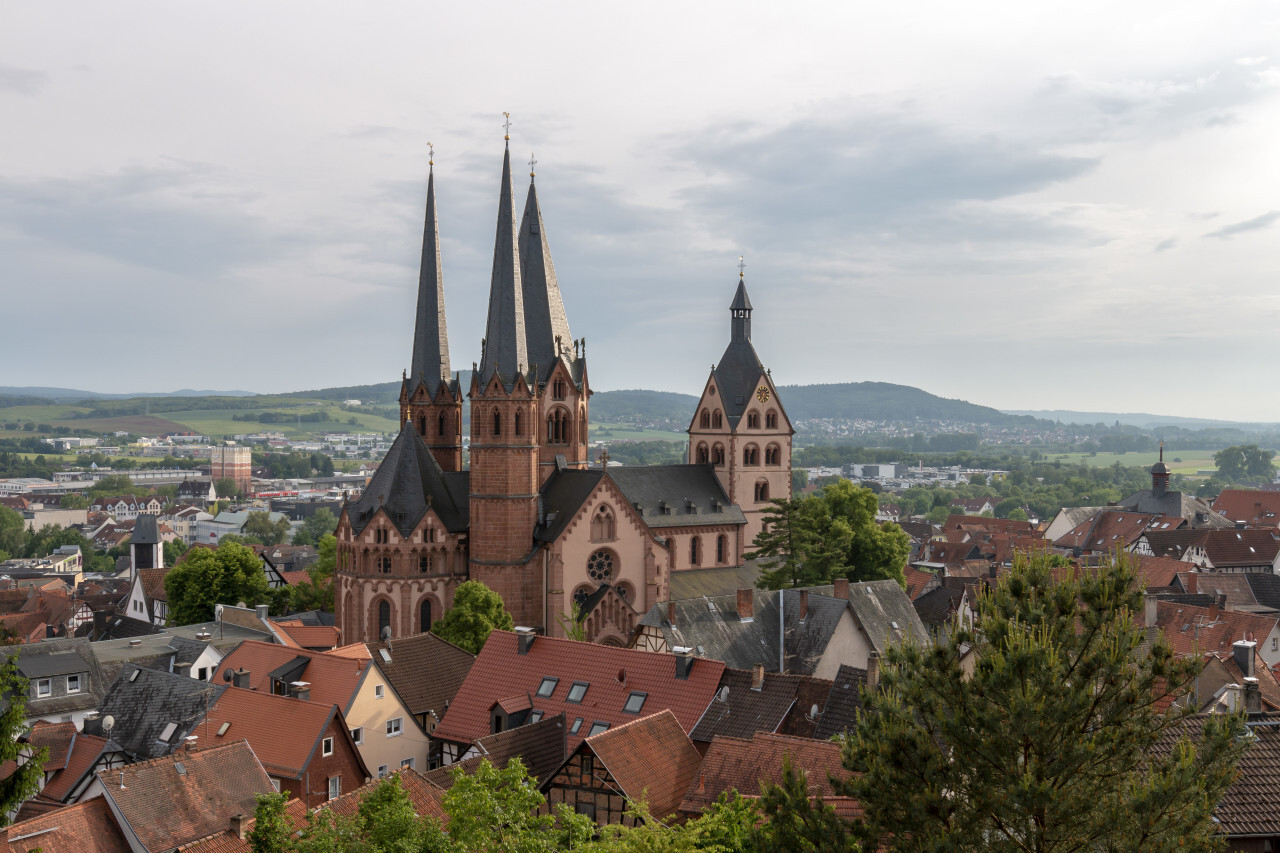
506	126
431	154
532	162
742	267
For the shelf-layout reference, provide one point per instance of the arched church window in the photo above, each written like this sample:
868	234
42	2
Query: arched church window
384	618
581	594
703	455
717	454
771	420
384	565
762	491
773	455
704	419
600	566
753	420
558	427
750	455
497	422
425	563
558	389
695	551
627	592
717	420
603	528
440	425
424	615
422	425
518	425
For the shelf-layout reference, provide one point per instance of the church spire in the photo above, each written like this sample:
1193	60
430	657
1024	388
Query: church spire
430	335
740	308
546	324
505	350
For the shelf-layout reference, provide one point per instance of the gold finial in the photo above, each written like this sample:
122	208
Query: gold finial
506	126
431	155
532	162
742	267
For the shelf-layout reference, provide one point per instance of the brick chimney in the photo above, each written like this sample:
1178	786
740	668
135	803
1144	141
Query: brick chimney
1192	583
240	678
1213	612
671	613
238	825
804	604
1252	696
746	604
841	588
757	677
873	671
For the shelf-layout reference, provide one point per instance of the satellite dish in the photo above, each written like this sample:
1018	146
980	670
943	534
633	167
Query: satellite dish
813	711
723	695
226	675
108	723
386	632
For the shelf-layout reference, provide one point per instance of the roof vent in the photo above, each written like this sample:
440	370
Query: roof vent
134	642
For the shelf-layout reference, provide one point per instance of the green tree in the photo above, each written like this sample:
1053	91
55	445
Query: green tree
226	487
321	523
1017	514
272	830
111	485
259	526
1245	462
796	820
206	578
1051	743
316	593
72	500
875	551
476	611
13	533
386	821
497	810
173	550
799	479
26	780
790	533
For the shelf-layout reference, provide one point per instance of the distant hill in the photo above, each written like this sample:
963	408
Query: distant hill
882	401
70	395
1138	419
642	406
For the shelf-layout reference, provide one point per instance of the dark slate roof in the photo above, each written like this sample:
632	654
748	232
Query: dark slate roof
936	606
744	711
739	367
407	479
145	531
1266	588
886	614
741	302
505	349
722	580
63	656
563	493
544	316
425	670
430	362
1177	505
144	704
843	703
678	486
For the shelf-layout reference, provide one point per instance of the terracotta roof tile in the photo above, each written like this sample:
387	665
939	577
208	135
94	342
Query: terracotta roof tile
743	765
57	737
295	812
1255	507
86	827
427	797
323	637
284	750
85	750
918	581
334	680
1195	630
650	758
1158	572
541	747
185	796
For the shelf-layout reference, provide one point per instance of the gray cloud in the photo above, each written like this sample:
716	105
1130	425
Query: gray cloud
21	81
1258	222
1166	245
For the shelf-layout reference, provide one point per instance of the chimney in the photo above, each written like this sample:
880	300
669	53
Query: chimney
1242	525
99	624
671	613
804	604
183	668
240	678
1149	611
263	611
684	662
1242	654
189	743
841	588
1213	612
524	640
746	603
301	690
1220	601
1252	696
238	822
92	724
757	677
1192	583
873	671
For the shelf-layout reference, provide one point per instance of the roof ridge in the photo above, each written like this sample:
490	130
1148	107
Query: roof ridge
171	757
615	729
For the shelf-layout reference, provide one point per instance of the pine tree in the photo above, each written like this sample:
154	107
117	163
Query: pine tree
1048	744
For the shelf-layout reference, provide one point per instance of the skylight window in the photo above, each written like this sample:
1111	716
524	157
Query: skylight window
597	727
535	715
577	724
577	691
635	702
547	687
222	729
169	729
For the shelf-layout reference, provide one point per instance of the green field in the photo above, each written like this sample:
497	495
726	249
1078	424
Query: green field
1186	462
624	432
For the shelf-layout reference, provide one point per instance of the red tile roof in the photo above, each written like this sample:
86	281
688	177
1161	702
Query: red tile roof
918	581
427	798
1110	529
612	673
295	578
187	795
650	758
1253	506
323	637
1158	572
85	750
1196	630
86	827
295	812
334	680
284	750
426	671
57	737
744	765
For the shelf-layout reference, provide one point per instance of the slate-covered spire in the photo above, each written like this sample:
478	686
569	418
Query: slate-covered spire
505	351
740	313
545	322
430	335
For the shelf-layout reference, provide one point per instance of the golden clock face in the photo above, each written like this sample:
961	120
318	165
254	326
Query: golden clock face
762	394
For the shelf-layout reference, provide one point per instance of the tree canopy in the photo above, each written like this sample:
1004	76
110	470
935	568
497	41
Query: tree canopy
260	528
476	611
27	779
1245	462
316	593
206	578
1049	744
320	523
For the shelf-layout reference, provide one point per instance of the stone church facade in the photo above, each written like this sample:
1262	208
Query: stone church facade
530	517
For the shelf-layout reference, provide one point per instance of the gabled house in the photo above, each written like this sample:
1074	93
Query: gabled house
73	759
541	747
153	712
381	726
64	680
1252	507
87	827
759	701
650	759
1194	631
425	671
1110	530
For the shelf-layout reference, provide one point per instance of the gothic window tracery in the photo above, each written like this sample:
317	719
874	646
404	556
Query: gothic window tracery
600	566
558	427
603	527
425	563
771	420
424	615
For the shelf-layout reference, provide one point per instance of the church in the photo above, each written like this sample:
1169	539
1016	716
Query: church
531	517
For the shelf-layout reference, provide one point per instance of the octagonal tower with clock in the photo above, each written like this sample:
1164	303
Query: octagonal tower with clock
740	427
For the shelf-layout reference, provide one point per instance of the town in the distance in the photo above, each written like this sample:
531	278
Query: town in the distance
493	609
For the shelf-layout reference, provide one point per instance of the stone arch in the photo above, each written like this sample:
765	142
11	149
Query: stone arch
751	455
559	426
428	608
753	420
717	454
703	455
773	455
762	491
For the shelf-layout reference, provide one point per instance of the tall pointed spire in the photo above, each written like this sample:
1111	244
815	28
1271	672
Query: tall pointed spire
740	311
505	350
430	334
545	322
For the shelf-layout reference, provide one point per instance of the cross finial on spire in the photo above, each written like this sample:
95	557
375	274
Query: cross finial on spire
431	154
506	127
742	267
532	162
1162	450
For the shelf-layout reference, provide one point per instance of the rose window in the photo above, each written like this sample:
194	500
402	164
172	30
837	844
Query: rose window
600	566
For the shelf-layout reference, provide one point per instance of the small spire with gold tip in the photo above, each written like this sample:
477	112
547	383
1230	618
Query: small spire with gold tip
532	162
431	154
506	126
742	267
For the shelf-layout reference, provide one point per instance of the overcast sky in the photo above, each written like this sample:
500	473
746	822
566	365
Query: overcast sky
1026	205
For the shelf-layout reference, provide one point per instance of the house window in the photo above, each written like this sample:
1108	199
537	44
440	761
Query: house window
335	787
597	727
547	687
406	762
357	735
394	727
44	687
377	691
326	746
722	549
440	425
577	691
635	702
694	555
73	684
588	765
585	809
383	770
